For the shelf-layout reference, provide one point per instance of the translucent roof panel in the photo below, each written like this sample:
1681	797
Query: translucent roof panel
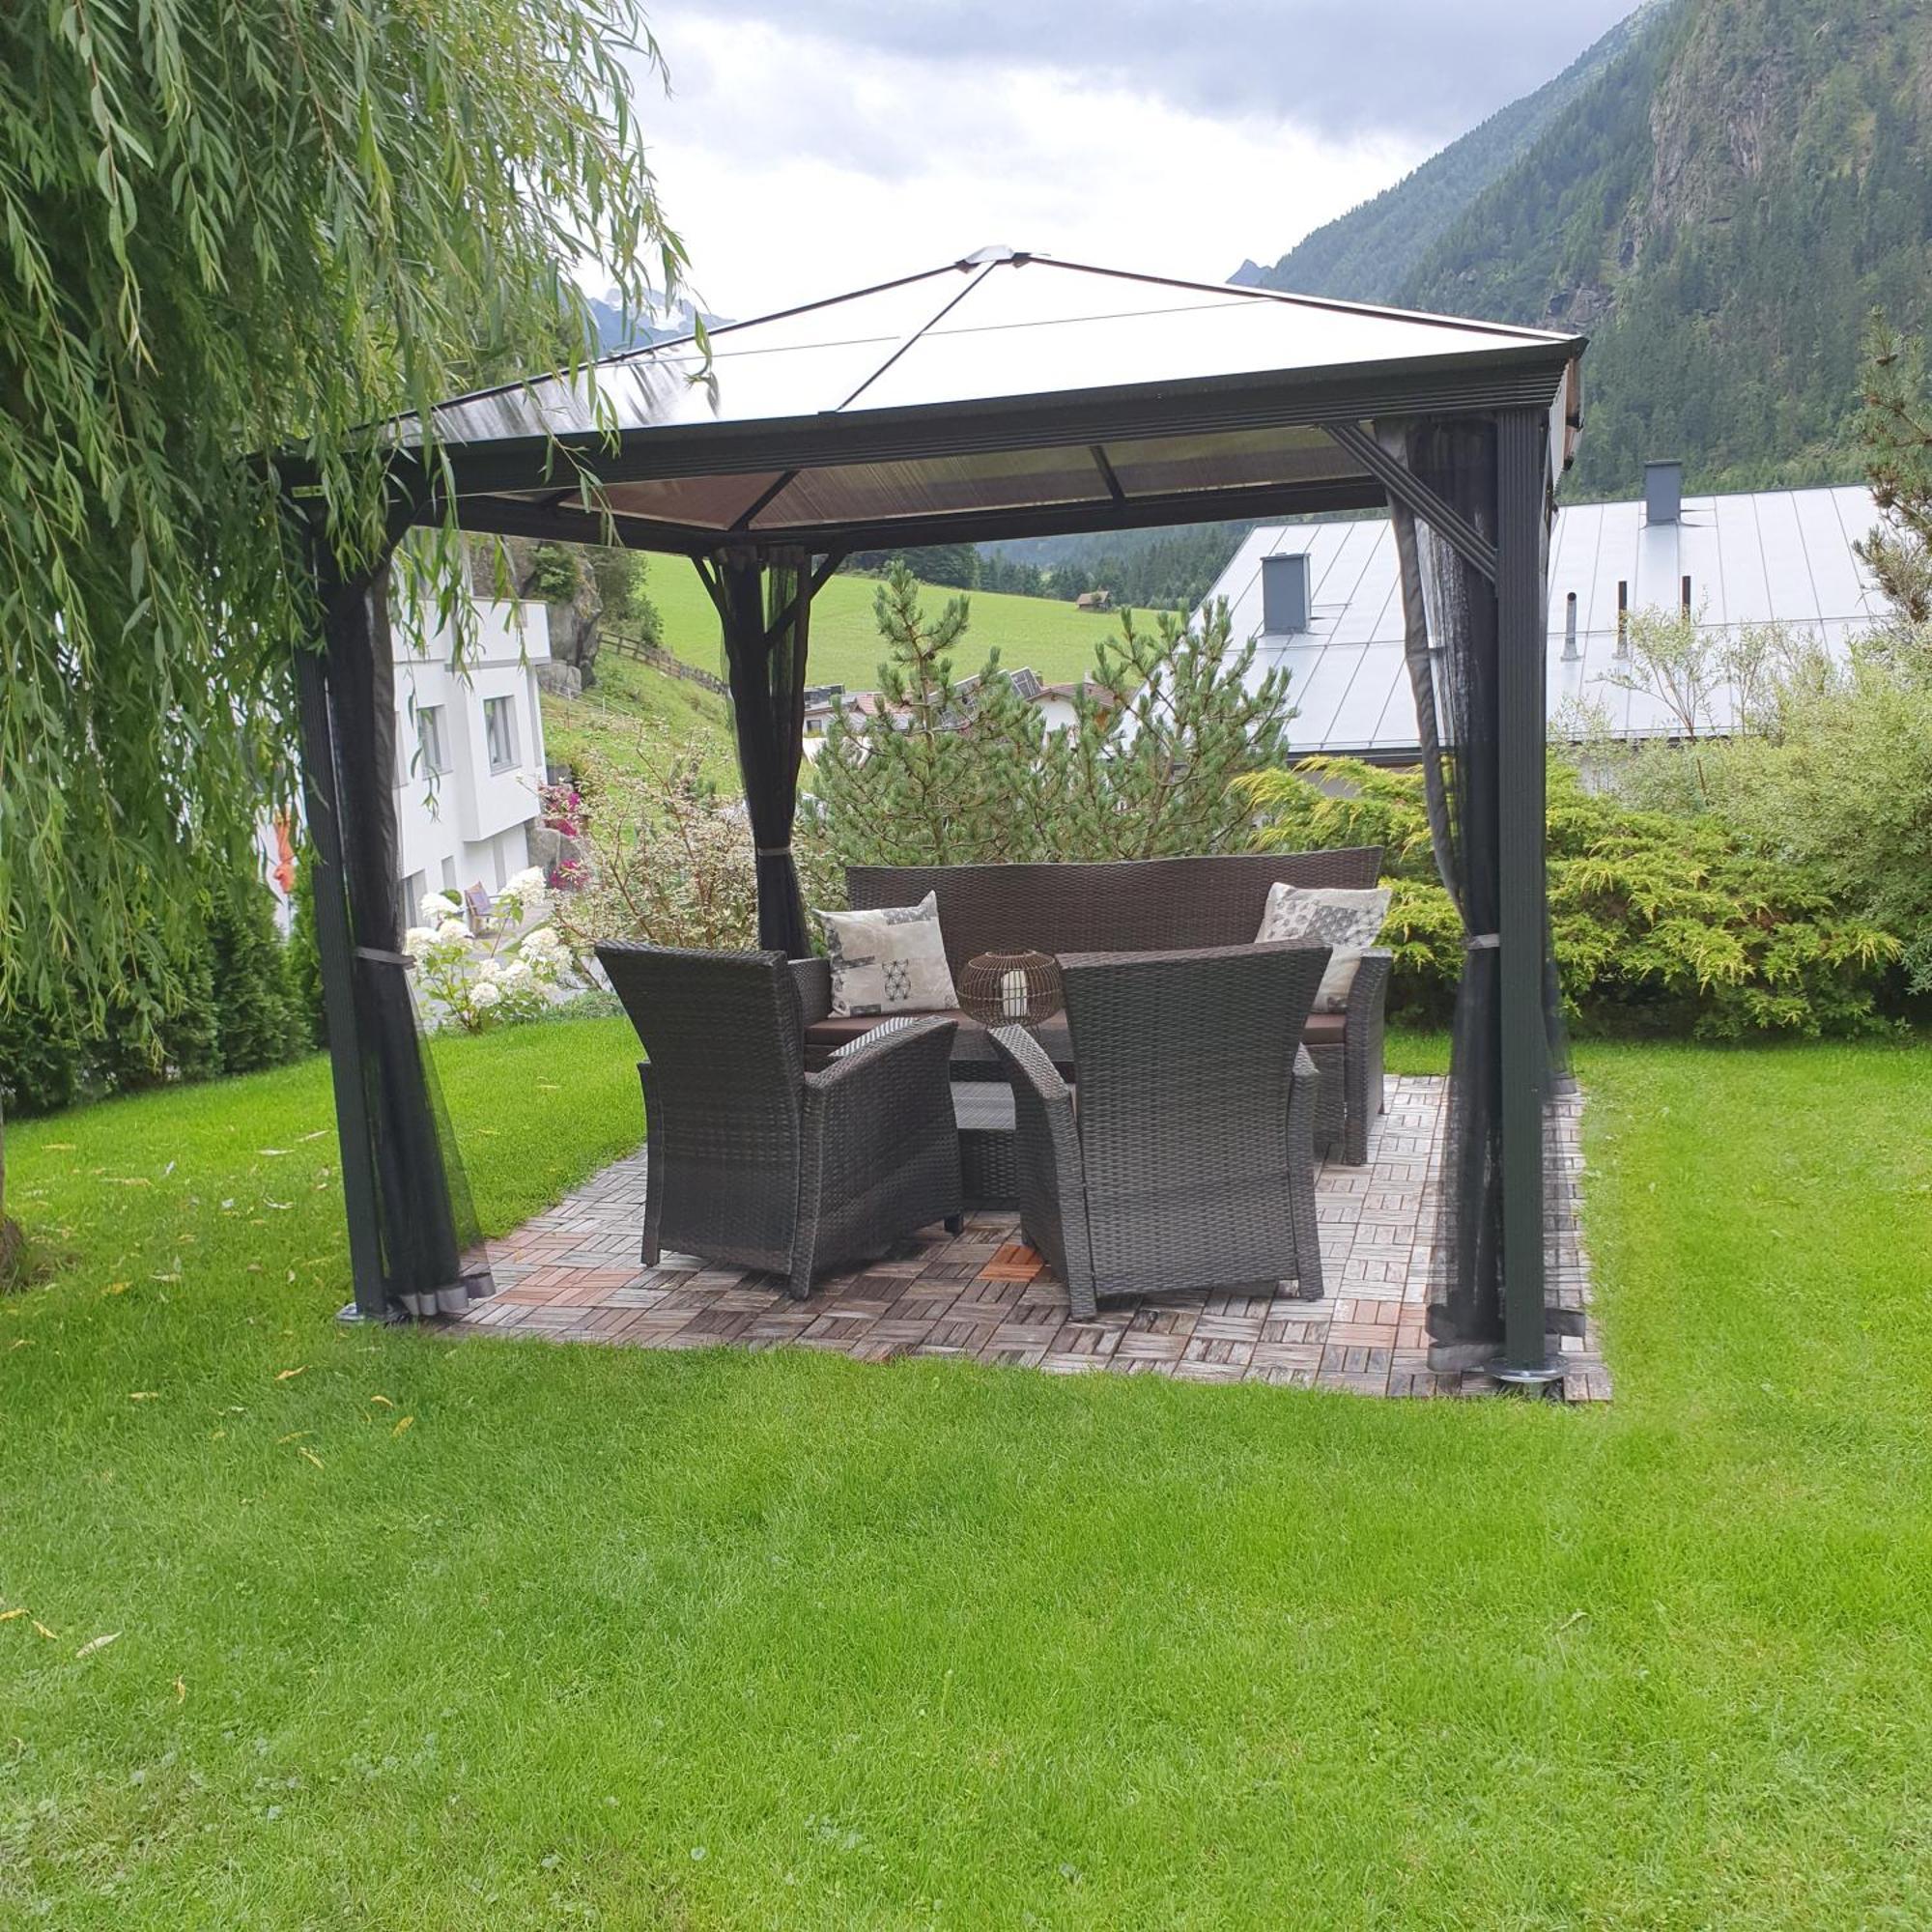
981	389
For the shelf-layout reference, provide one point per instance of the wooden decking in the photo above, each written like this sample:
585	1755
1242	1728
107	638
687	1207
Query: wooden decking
573	1275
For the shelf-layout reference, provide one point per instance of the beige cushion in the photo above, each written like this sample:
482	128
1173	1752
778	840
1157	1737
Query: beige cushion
1346	921
891	961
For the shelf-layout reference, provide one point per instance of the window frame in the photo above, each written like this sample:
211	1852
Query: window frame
430	735
505	708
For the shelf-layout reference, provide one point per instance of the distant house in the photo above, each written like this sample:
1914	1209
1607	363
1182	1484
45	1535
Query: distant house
1325	602
1055	701
1094	600
821	702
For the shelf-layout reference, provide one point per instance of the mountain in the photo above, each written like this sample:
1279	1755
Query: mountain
1719	200
617	330
1368	252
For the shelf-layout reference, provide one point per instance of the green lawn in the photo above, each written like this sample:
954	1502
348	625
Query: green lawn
1052	637
711	1639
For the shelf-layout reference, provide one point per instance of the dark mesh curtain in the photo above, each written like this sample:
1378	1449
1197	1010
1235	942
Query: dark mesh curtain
1451	617
767	617
432	1253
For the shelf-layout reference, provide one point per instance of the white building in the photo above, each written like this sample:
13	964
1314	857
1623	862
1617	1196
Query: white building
469	751
469	757
1324	601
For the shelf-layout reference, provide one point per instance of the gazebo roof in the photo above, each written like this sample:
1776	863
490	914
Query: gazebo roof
1006	393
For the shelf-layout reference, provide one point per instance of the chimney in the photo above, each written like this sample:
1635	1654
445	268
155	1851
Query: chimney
1285	598
1569	651
1663	491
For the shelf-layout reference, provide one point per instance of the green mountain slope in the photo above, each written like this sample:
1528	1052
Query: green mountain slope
1718	206
1365	253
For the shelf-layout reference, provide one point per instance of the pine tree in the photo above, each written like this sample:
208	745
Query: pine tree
952	773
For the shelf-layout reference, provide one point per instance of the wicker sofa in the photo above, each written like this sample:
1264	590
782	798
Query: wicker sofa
1140	906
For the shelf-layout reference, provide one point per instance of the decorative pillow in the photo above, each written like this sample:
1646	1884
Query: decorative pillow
889	961
1345	921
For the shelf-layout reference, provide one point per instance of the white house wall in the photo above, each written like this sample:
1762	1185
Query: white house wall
1782	555
470	825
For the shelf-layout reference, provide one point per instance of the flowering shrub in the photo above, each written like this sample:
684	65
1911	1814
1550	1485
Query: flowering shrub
479	982
562	809
670	860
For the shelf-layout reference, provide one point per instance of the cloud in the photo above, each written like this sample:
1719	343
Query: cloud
797	165
1415	70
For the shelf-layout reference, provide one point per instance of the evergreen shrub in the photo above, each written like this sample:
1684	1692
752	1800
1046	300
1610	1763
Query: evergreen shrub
1662	924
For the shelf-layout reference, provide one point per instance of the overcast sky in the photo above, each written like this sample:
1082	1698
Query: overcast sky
806	150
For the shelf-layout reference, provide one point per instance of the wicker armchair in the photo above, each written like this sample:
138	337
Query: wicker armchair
1187	1161
752	1160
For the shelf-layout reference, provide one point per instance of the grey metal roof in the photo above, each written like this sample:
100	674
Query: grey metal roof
1776	556
1003	389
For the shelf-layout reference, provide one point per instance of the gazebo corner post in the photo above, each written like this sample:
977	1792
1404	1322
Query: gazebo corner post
335	950
764	604
1523	485
405	1252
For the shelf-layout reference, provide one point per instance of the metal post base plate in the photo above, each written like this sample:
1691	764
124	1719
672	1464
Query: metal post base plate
1542	1378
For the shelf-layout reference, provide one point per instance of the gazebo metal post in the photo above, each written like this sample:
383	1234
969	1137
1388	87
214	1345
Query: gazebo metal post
395	1185
336	953
1522	485
764	603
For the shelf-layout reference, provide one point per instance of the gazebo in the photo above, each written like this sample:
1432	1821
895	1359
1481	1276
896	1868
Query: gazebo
1005	394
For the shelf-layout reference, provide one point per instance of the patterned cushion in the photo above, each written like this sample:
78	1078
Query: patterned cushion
1343	920
892	960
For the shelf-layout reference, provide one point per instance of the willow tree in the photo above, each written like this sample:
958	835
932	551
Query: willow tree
228	229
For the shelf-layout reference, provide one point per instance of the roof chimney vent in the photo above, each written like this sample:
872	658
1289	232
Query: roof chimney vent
1285	598
1663	491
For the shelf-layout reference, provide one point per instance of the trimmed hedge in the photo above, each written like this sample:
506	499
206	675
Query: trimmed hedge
223	1003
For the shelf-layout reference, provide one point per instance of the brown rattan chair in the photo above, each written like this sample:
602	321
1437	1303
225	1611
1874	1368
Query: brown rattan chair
752	1160
1187	1159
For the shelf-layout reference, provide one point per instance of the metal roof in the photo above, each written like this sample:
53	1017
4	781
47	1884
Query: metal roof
1773	557
1005	392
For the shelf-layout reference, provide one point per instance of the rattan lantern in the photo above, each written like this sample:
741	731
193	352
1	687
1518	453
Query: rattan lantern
1011	988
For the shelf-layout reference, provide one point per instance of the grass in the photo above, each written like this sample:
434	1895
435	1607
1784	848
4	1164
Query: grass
711	1639
635	711
1052	637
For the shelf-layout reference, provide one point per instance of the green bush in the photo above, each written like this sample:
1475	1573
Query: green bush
1662	924
258	1021
1837	783
228	1008
304	961
40	1058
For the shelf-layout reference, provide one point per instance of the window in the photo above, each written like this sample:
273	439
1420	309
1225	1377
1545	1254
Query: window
430	741
413	897
500	731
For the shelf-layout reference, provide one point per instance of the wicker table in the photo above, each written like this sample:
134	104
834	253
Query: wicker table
988	1143
984	1108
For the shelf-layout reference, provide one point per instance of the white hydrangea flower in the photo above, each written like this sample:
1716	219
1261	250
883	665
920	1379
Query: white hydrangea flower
485	994
539	941
516	975
418	941
451	932
529	881
489	970
435	907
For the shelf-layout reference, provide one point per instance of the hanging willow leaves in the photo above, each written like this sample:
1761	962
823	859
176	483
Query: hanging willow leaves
229	228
